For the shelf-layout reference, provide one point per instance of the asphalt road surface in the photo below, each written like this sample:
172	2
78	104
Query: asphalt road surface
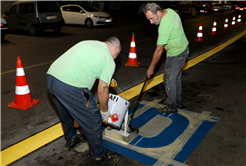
216	84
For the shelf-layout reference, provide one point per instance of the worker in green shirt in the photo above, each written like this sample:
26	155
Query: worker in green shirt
171	36
70	79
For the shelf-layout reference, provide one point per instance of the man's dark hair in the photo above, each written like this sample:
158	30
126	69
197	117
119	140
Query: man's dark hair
153	7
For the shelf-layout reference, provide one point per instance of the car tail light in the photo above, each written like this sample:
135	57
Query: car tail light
237	8
1	25
205	11
244	8
212	9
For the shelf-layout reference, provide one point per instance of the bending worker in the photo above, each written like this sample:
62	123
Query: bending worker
171	36
70	79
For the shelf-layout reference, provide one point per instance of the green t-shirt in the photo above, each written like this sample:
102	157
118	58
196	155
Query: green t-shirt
171	34
82	64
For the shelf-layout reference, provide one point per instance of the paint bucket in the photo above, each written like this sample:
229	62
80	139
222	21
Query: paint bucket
117	107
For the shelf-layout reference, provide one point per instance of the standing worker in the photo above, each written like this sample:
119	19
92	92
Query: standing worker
70	79
171	36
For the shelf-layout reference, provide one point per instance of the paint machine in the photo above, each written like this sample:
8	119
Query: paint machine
118	108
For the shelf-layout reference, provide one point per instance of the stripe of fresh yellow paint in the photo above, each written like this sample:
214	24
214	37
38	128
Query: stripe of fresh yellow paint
133	92
27	146
30	144
206	55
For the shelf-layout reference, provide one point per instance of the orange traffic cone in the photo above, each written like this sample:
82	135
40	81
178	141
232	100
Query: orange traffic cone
132	59
214	28
233	23
239	19
199	34
226	24
23	98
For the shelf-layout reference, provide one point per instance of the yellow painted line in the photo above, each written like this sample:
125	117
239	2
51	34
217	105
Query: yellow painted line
133	92
27	146
206	55
30	144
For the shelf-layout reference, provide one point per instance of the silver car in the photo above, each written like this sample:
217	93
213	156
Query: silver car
218	7
85	15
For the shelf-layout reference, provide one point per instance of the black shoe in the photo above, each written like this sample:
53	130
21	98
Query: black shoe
107	160
178	105
167	109
70	144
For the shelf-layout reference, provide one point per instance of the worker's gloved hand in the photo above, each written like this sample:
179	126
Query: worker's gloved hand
105	116
113	83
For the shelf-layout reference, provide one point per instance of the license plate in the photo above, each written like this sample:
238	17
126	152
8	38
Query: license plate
107	20
201	10
215	9
50	17
241	9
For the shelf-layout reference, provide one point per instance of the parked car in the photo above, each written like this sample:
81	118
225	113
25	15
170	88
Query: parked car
205	9
228	6
218	7
4	28
34	16
85	15
241	9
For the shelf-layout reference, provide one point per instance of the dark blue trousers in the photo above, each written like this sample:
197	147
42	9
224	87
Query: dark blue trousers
78	104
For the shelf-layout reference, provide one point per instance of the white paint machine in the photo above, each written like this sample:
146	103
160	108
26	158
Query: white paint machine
118	108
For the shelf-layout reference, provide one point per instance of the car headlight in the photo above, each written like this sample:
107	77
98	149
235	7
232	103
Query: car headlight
3	21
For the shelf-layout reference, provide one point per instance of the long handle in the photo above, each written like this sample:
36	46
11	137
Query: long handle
139	97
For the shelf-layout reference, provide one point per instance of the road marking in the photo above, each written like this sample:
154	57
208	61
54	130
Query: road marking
45	63
165	154
27	146
28	67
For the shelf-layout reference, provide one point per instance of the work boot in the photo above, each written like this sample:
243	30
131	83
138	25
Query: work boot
178	105
107	160
167	109
70	144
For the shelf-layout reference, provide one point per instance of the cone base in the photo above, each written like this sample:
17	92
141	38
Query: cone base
133	65
224	29
233	25
199	40
212	33
24	107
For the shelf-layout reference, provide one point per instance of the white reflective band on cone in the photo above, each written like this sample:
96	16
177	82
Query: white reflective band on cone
226	20
22	90
199	34
132	55
215	23
20	72
233	23
238	20
239	16
233	18
133	44
214	29
226	25
200	27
